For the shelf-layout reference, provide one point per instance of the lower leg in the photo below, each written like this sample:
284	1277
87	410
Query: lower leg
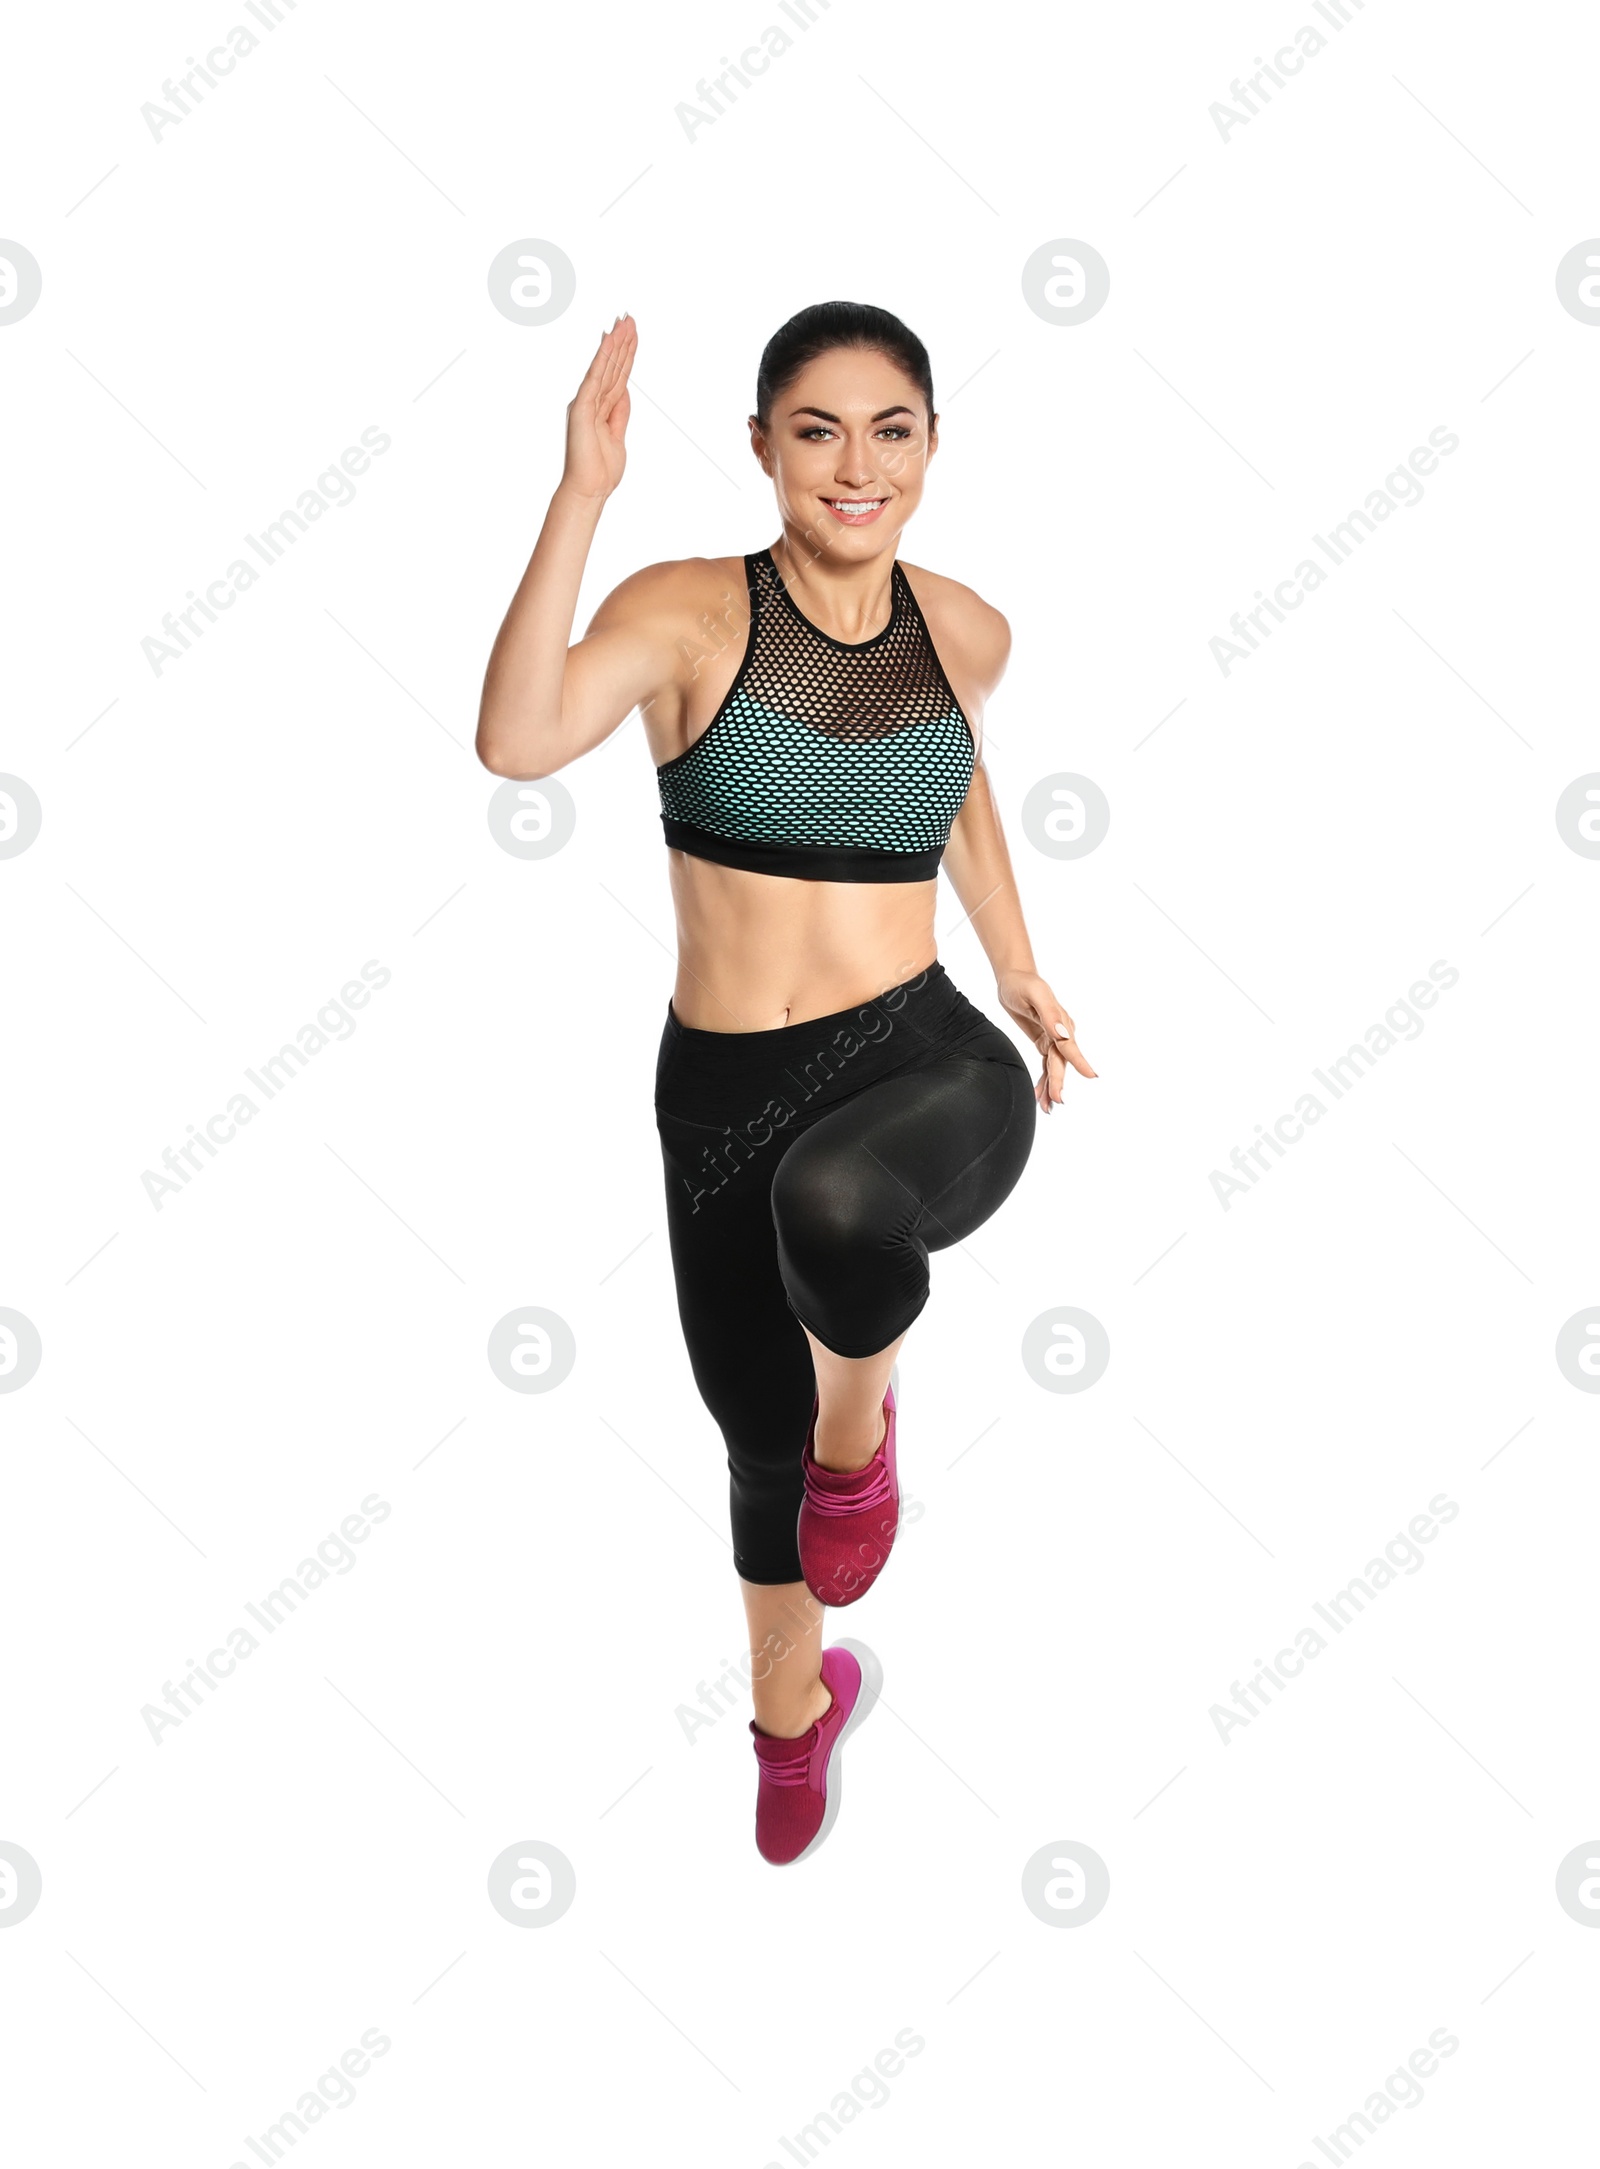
785	1622
851	1419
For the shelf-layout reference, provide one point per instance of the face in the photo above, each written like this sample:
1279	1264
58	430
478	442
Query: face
847	448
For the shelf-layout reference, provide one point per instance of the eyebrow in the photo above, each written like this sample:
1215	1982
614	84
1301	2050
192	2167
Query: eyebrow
823	415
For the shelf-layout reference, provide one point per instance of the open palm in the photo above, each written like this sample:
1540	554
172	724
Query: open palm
597	419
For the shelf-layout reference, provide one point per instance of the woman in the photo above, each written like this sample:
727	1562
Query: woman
831	1108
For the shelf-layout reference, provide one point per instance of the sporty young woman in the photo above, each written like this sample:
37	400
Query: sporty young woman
830	1107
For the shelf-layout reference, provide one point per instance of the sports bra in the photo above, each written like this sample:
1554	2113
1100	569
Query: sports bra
830	760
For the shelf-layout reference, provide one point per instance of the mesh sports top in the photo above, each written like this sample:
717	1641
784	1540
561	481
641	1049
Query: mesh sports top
832	760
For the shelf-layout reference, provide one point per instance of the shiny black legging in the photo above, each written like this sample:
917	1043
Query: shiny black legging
809	1172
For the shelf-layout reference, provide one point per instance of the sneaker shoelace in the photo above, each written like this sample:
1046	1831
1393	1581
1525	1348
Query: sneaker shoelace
877	1492
787	1773
796	1769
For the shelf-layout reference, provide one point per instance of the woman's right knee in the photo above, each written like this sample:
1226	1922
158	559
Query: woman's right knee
828	1207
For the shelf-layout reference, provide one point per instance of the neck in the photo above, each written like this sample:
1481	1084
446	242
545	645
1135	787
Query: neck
849	601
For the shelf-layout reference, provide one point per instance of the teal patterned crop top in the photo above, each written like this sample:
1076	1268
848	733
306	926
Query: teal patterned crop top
829	760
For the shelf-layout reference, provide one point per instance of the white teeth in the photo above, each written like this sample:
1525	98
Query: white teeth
867	504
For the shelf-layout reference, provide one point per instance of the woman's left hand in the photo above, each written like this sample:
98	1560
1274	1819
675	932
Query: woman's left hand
1029	1003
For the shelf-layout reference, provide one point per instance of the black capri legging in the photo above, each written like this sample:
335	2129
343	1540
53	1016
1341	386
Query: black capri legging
809	1172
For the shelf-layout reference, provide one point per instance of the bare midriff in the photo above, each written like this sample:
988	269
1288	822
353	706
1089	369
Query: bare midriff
756	951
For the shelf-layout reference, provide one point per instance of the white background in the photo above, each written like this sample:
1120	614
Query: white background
225	843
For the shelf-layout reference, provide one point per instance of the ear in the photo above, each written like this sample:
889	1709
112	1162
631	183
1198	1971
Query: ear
759	445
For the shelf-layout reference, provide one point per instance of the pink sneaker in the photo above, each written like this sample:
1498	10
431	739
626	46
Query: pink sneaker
848	1522
798	1798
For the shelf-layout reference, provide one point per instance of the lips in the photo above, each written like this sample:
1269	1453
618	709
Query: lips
855	511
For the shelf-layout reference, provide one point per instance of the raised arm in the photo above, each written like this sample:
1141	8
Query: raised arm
545	700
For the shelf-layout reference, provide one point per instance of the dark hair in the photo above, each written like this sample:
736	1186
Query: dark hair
829	324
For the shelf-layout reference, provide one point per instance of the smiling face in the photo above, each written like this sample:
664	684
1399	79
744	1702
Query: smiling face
847	446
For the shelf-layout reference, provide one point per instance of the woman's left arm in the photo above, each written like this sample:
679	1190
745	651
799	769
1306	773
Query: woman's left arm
979	866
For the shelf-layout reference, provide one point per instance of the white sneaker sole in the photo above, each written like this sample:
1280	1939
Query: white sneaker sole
871	1688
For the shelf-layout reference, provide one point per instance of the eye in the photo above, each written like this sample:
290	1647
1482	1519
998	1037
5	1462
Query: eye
893	430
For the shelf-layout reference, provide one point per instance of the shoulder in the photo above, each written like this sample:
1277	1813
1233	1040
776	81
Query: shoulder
965	629
678	592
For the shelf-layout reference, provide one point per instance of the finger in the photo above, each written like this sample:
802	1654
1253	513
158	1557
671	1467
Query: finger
1056	1059
613	364
1065	1043
593	375
622	359
627	347
613	388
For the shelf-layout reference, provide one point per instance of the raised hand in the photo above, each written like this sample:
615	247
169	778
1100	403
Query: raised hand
597	419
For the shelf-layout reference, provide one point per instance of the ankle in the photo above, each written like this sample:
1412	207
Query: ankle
845	1449
787	1721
